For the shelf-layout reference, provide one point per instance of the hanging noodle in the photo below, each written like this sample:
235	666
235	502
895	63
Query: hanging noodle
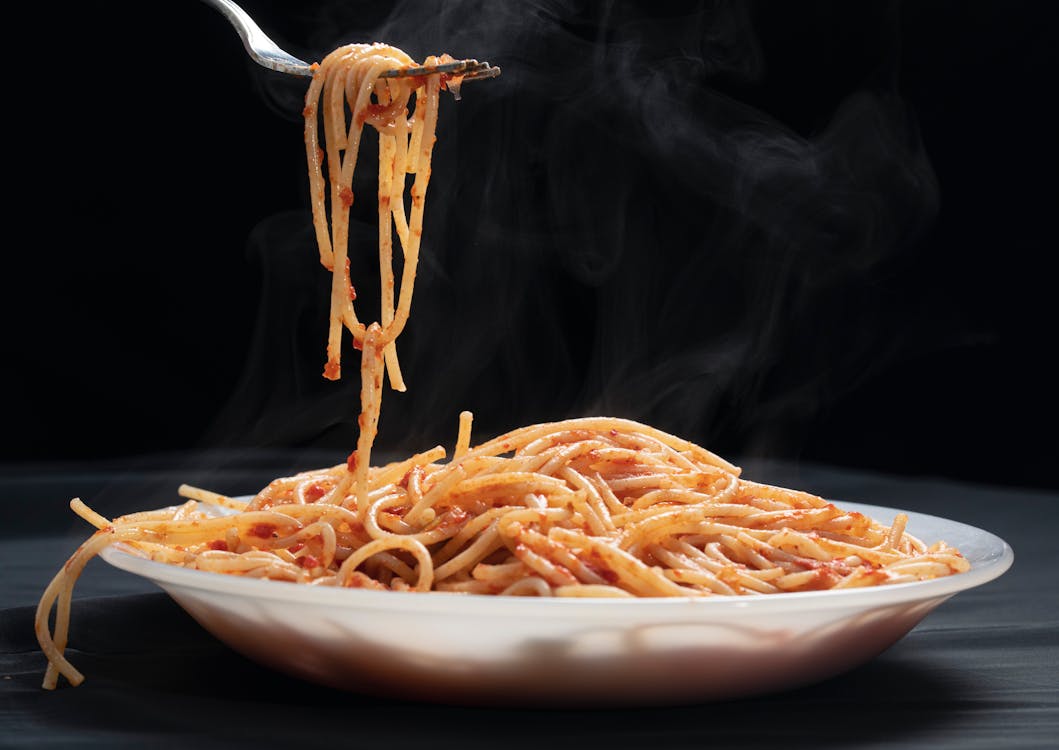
592	507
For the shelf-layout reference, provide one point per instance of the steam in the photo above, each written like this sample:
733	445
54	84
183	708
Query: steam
613	226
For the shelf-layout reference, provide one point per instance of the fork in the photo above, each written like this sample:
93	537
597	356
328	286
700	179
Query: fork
267	53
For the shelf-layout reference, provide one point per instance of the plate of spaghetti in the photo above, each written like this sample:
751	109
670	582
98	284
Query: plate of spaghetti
594	559
593	646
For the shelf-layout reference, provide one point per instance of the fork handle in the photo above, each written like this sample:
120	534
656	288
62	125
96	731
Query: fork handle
259	46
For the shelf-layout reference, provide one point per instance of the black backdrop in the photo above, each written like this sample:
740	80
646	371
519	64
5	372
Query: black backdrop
818	231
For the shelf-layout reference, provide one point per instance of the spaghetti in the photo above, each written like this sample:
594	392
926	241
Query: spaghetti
591	507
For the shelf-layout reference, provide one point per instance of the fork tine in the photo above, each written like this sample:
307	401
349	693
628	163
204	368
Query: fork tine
466	68
485	72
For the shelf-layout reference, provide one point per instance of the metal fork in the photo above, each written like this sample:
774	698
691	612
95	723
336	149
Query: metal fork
267	53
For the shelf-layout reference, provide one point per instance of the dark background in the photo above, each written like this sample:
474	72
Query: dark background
811	231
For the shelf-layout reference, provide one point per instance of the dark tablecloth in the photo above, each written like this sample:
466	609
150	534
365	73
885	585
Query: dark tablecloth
978	672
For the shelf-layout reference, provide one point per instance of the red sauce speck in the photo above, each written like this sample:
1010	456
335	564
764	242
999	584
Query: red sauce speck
352	291
455	81
332	370
263	530
373	110
314	492
347	196
351	462
218	544
597	566
822	579
295	547
308	561
608	575
454	517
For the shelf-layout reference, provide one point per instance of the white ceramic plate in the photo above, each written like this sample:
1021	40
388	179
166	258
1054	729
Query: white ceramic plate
496	650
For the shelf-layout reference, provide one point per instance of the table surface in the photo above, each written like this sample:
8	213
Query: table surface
978	672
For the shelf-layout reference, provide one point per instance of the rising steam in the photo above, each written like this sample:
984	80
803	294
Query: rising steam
615	225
